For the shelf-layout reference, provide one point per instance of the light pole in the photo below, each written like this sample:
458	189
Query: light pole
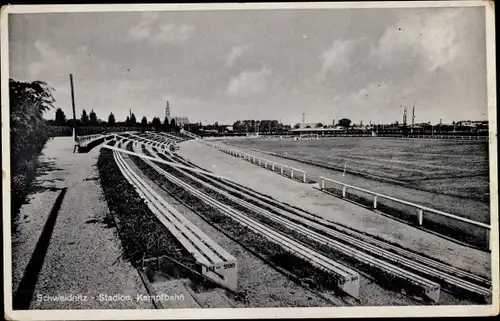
73	105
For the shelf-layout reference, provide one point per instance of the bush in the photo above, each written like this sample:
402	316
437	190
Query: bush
28	134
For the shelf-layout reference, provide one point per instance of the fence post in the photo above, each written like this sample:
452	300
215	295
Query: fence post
375	202
322	183
304	180
420	216
281	169
291	174
343	191
272	166
259	161
265	164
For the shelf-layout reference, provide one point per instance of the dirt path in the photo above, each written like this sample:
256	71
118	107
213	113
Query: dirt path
79	253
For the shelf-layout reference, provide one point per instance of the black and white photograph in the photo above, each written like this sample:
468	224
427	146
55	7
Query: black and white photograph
295	160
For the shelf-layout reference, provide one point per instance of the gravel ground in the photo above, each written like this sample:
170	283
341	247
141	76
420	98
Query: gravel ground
83	256
336	210
32	218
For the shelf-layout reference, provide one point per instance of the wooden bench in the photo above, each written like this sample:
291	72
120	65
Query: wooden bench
216	263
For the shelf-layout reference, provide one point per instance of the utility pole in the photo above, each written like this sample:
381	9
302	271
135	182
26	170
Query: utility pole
73	105
413	117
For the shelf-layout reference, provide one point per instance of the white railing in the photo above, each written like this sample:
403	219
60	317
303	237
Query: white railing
83	140
419	208
294	173
449	137
188	133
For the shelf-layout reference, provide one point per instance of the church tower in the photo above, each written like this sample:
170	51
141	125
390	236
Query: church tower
167	111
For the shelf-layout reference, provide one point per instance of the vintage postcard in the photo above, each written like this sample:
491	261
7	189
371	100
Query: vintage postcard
222	161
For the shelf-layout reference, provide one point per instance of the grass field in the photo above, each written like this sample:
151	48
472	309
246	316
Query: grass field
447	167
450	176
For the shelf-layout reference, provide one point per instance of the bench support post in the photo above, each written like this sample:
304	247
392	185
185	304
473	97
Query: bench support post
420	216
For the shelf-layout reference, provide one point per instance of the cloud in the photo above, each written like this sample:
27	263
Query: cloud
248	82
173	34
436	61
431	37
143	28
236	53
181	100
337	57
54	61
148	29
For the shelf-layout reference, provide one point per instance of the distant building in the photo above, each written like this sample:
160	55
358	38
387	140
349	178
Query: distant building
307	125
181	121
470	123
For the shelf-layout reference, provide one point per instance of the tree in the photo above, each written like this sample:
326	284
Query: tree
93	118
274	125
144	123
156	122
319	125
28	134
84	117
133	120
111	119
237	126
173	125
166	124
297	126
60	117
344	122
127	121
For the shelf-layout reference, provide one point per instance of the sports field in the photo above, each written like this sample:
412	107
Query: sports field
458	168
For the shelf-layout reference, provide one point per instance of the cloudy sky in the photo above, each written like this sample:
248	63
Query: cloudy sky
362	64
